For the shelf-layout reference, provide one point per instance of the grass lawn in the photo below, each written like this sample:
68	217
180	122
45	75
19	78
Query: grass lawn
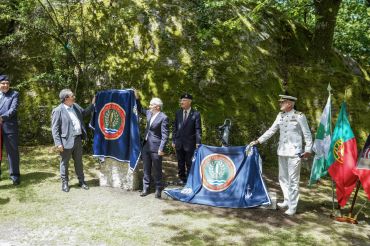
37	212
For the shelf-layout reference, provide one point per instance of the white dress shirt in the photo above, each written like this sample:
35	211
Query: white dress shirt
75	121
187	114
150	123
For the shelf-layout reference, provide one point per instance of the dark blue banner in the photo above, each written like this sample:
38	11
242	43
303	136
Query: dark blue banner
224	177
116	126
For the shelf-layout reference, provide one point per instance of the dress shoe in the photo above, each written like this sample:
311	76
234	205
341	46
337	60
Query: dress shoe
83	185
289	212
282	204
158	194
16	182
144	193
65	187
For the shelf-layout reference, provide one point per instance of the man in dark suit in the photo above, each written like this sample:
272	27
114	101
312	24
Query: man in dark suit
155	138
68	130
9	126
186	135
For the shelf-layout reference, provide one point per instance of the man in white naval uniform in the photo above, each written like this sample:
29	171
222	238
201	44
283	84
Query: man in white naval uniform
292	125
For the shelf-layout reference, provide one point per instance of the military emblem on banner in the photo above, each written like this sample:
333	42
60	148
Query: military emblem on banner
112	121
217	172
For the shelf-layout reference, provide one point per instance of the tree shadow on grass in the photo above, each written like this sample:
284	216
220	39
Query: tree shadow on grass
31	178
93	182
274	226
36	177
90	183
240	225
4	200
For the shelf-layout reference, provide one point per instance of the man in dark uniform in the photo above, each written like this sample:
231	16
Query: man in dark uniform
9	126
186	135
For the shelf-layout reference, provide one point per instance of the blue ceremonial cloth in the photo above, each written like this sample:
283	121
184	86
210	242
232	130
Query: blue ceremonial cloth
224	177
116	126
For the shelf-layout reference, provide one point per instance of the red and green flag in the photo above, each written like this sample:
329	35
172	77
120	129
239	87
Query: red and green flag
362	169
321	145
342	157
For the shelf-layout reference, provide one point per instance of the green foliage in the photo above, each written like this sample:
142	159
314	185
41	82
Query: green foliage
352	31
352	35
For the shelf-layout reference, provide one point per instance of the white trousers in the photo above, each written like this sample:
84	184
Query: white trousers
289	174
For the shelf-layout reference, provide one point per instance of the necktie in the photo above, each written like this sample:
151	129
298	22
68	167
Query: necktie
185	115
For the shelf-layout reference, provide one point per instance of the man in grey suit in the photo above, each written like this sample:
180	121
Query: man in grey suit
68	131
156	136
9	126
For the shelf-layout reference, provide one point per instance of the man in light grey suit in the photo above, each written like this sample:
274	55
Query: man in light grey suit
68	131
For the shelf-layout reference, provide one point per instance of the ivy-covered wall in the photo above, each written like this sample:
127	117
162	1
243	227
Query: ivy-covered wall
234	59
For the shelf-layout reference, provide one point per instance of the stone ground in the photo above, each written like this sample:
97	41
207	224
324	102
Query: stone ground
38	213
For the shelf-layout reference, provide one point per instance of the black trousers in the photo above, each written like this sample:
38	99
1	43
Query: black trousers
11	144
184	161
76	154
152	161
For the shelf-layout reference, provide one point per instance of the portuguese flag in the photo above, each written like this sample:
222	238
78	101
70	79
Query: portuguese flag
321	145
342	157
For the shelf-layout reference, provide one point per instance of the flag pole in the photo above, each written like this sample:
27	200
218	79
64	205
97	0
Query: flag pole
358	184
332	196
354	198
333	215
329	89
340	217
363	205
349	219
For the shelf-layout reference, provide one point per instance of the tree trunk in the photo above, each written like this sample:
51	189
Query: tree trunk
326	14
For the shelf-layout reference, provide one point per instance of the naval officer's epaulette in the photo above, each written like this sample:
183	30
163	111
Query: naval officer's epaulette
297	112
